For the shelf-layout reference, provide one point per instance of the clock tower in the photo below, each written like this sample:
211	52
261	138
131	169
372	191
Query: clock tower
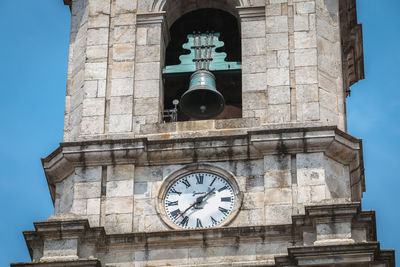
209	133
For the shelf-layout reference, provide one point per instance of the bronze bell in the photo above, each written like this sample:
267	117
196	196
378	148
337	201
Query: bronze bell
202	100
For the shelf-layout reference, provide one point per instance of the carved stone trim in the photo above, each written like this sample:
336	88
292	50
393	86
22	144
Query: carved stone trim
251	12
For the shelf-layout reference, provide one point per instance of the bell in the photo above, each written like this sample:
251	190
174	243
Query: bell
202	100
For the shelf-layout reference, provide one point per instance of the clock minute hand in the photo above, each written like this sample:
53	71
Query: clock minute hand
197	201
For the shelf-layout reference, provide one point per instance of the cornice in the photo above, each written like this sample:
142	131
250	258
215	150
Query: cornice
252	145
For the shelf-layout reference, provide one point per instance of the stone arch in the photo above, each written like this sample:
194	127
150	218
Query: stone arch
176	8
158	5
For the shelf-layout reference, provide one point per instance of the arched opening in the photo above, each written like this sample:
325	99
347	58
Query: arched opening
222	26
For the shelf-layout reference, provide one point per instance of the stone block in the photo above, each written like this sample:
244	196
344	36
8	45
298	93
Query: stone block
279	113
277	179
277	77
119	205
87	174
254	82
120	123
122	69
141	36
101	88
124	19
97	52
147	71
154	35
308	111
99	7
60	248
277	162
146	106
90	89
311	176
93	107
254	64
273	10
309	160
96	70
253	200
283	58
100	20
306	57
118	223
148	53
142	190
125	6
124	34
255	100
153	223
278	94
94	220
97	36
276	24
278	196
311	194
253	46
253	29
145	206
305	39
306	75
277	41
120	172
79	206
121	105
147	89
123	188
122	87
307	93
327	30
92	125
306	7
122	52
301	23
272	59
87	190
93	206
328	100
278	214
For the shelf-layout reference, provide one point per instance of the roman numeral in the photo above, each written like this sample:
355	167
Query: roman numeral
222	188
185	182
185	221
224	211
213	220
226	199
175	213
172	190
198	223
172	203
212	182
199	178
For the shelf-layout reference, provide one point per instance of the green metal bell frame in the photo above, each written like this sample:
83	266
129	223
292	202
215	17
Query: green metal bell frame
202	100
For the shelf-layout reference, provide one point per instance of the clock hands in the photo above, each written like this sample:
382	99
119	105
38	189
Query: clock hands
196	202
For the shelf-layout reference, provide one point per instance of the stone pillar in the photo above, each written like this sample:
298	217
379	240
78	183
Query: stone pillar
121	67
150	46
254	78
278	76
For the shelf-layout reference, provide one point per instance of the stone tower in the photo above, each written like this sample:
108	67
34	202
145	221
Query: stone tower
282	178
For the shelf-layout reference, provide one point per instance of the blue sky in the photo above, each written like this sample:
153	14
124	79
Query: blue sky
33	67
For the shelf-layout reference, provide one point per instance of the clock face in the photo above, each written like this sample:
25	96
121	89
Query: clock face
199	200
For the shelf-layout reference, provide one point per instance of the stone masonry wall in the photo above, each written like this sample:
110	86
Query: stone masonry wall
291	55
123	198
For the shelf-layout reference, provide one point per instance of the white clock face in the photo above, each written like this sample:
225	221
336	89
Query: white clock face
199	200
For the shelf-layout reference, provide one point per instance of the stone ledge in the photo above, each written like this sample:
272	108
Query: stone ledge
249	145
291	235
74	263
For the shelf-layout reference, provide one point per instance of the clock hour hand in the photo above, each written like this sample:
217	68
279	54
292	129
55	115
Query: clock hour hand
197	201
